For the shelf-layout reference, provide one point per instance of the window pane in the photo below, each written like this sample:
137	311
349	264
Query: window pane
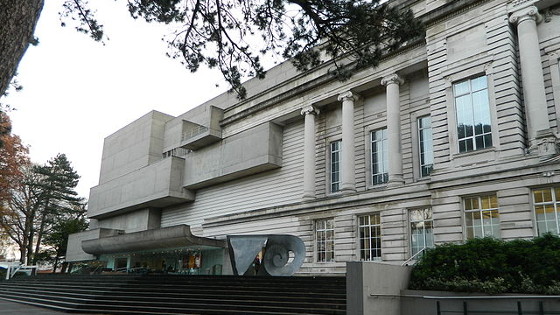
481	107
479	83
479	142
461	88
493	201
547	195
487	141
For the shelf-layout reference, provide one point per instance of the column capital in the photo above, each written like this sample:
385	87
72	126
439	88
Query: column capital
309	110
348	96
392	79
526	13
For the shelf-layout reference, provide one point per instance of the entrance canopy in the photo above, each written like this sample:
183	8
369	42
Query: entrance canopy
169	237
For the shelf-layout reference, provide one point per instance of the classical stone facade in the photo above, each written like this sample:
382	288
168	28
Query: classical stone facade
453	136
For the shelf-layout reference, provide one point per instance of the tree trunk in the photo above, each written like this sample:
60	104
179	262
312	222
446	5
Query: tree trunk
17	20
29	258
29	233
55	264
28	243
41	228
22	254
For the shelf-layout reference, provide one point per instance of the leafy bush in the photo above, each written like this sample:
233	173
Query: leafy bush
491	266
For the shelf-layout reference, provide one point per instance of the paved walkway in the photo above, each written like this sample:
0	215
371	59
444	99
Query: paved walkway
13	308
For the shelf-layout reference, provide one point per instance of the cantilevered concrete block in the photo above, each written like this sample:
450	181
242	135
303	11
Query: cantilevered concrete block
134	146
157	185
195	136
252	151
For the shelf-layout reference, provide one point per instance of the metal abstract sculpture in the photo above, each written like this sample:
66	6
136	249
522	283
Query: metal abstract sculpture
283	254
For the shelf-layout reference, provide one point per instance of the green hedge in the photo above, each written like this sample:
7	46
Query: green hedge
491	266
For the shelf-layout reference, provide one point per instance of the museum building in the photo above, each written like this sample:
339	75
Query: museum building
453	136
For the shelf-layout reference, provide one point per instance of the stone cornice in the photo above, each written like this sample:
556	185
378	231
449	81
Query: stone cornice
449	10
516	5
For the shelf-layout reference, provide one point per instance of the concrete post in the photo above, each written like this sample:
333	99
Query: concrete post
526	20
347	160
392	84
374	288
309	152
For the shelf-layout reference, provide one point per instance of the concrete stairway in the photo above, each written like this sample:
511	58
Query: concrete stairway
171	294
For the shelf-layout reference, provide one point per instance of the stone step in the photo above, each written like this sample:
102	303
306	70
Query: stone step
158	298
170	294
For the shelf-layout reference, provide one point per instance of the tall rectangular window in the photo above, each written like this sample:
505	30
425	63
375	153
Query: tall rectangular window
425	145
421	230
324	235
379	161
473	114
369	230
335	166
482	217
547	209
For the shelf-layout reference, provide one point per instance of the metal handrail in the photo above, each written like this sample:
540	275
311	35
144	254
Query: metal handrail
11	271
193	132
489	297
413	256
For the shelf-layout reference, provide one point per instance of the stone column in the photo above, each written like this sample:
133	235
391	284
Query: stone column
538	126
309	152
347	159
392	84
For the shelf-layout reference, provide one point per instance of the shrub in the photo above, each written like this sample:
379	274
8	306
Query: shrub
491	266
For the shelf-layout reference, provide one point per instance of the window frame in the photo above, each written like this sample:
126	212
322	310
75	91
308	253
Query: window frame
324	230
414	140
379	236
554	67
419	144
458	159
480	211
330	168
555	203
469	94
384	159
410	221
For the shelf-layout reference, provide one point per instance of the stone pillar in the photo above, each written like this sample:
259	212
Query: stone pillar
392	84
309	152
347	159
536	110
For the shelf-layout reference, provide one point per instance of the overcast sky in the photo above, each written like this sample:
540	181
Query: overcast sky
77	91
